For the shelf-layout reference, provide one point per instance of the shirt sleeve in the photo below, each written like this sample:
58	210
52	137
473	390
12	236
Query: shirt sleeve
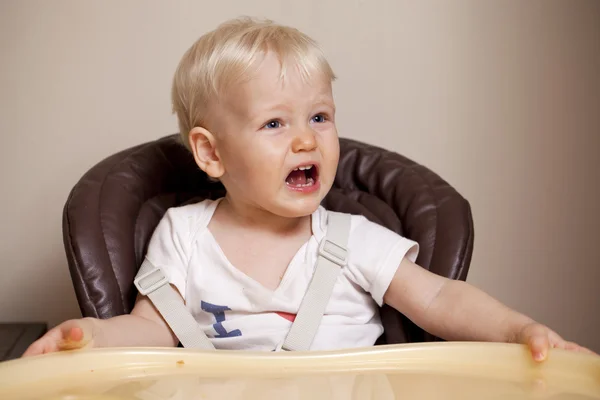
375	253
169	248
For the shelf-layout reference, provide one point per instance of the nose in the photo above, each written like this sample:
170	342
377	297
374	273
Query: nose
304	140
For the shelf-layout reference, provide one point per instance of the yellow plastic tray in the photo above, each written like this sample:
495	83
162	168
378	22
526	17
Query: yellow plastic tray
415	371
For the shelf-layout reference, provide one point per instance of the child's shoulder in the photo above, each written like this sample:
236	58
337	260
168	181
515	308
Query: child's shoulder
371	243
192	215
358	223
364	232
193	209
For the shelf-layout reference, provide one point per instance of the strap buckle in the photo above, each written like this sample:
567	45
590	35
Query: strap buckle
333	252
150	281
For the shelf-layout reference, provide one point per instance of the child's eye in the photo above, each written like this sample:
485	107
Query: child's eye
272	125
319	118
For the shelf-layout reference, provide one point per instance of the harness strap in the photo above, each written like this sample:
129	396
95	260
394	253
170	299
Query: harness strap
153	282
333	256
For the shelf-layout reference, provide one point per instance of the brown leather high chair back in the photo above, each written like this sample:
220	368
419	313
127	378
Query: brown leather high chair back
112	211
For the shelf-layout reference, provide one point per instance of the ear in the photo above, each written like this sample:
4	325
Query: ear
203	145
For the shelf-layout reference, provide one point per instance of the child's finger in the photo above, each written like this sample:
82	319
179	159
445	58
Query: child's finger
36	348
575	347
535	336
45	344
587	351
570	346
69	335
75	333
73	337
538	344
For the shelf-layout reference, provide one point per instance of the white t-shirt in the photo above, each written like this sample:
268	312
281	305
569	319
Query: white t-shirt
238	313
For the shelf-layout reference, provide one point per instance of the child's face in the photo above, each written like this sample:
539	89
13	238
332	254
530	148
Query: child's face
268	128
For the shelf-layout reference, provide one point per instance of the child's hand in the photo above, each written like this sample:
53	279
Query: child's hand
539	338
70	335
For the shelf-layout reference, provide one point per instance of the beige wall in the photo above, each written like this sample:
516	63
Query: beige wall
501	98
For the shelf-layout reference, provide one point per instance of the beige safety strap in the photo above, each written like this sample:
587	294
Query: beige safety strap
153	282
333	256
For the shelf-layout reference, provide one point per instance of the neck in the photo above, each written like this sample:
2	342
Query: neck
255	218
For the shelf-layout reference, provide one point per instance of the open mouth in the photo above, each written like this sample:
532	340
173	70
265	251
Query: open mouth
302	177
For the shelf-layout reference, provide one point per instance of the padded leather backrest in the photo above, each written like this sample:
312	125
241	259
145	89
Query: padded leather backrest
112	211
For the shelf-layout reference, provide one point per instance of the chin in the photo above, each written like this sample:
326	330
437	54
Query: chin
297	209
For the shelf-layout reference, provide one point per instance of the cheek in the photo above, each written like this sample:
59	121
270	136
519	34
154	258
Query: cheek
333	148
332	157
255	162
237	163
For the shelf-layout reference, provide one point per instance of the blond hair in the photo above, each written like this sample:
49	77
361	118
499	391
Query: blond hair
227	55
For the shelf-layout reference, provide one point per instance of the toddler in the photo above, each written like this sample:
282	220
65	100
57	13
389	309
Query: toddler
255	107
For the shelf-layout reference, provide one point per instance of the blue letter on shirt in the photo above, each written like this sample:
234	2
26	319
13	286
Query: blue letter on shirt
219	313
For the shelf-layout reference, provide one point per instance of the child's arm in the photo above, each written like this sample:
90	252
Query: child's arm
455	310
144	327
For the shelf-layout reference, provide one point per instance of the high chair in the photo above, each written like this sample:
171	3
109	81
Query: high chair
111	212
